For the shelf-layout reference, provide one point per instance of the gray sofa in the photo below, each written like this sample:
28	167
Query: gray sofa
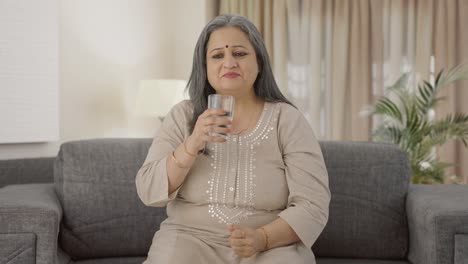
91	214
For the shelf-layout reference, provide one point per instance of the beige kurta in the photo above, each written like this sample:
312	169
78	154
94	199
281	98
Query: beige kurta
277	169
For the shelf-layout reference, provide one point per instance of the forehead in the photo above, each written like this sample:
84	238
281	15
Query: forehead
228	36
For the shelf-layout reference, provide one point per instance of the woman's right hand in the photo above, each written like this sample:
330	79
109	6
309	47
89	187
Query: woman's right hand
211	120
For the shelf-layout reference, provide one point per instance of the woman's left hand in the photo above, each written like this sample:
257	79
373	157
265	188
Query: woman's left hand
246	241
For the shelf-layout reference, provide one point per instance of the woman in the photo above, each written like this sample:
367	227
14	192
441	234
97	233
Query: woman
259	196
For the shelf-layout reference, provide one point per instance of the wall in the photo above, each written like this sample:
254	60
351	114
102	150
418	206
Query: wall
106	47
29	74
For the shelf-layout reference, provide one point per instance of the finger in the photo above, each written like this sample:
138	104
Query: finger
217	121
209	121
213	111
244	252
235	227
239	249
217	130
235	242
242	242
207	129
238	234
222	120
239	253
213	139
221	130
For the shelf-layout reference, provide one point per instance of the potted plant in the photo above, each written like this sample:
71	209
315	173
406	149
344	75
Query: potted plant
408	120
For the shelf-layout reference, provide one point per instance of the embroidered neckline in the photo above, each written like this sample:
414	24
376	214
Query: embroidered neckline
232	181
260	121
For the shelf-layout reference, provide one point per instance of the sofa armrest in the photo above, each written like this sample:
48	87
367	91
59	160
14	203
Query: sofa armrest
29	223
438	223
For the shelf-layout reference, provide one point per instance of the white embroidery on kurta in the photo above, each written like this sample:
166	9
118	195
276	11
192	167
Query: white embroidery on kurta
231	188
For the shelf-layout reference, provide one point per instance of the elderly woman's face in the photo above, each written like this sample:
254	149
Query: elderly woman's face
231	62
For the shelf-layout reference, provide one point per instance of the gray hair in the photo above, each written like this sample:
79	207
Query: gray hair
198	86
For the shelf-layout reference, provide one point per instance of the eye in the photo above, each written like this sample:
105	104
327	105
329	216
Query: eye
217	56
240	54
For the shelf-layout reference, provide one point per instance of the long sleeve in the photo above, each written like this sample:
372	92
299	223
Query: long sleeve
151	180
306	175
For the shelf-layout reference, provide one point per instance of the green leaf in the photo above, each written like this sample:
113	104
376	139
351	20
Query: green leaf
406	122
400	84
386	107
437	80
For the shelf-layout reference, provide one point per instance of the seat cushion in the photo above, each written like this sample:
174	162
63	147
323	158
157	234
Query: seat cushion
358	261
368	184
461	248
102	214
18	248
133	260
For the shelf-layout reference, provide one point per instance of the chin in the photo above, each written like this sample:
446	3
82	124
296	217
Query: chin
234	86
231	90
228	87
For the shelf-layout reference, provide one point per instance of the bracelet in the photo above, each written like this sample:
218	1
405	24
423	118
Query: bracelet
265	234
186	151
178	164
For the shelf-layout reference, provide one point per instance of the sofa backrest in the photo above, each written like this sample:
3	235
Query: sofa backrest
103	216
28	170
368	184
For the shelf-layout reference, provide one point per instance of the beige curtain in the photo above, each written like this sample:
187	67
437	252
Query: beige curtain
450	47
211	9
348	51
339	55
269	16
330	66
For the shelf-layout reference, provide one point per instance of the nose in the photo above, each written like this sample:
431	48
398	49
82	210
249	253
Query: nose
230	62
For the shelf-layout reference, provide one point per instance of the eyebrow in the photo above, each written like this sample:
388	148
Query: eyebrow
234	46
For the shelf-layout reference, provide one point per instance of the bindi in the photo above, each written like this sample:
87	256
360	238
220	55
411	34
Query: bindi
227	46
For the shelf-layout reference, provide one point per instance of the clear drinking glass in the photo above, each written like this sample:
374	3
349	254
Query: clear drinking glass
225	102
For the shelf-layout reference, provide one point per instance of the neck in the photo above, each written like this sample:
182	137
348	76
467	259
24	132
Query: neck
242	100
246	104
246	112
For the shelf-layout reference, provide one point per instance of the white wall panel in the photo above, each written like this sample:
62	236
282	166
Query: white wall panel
29	48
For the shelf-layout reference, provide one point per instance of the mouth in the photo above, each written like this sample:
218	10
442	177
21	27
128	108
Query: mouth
231	75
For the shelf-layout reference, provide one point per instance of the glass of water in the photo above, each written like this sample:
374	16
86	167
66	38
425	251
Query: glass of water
225	102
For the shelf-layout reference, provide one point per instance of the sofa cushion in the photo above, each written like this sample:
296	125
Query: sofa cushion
358	261
103	216
135	260
368	184
461	248
30	209
30	170
18	248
